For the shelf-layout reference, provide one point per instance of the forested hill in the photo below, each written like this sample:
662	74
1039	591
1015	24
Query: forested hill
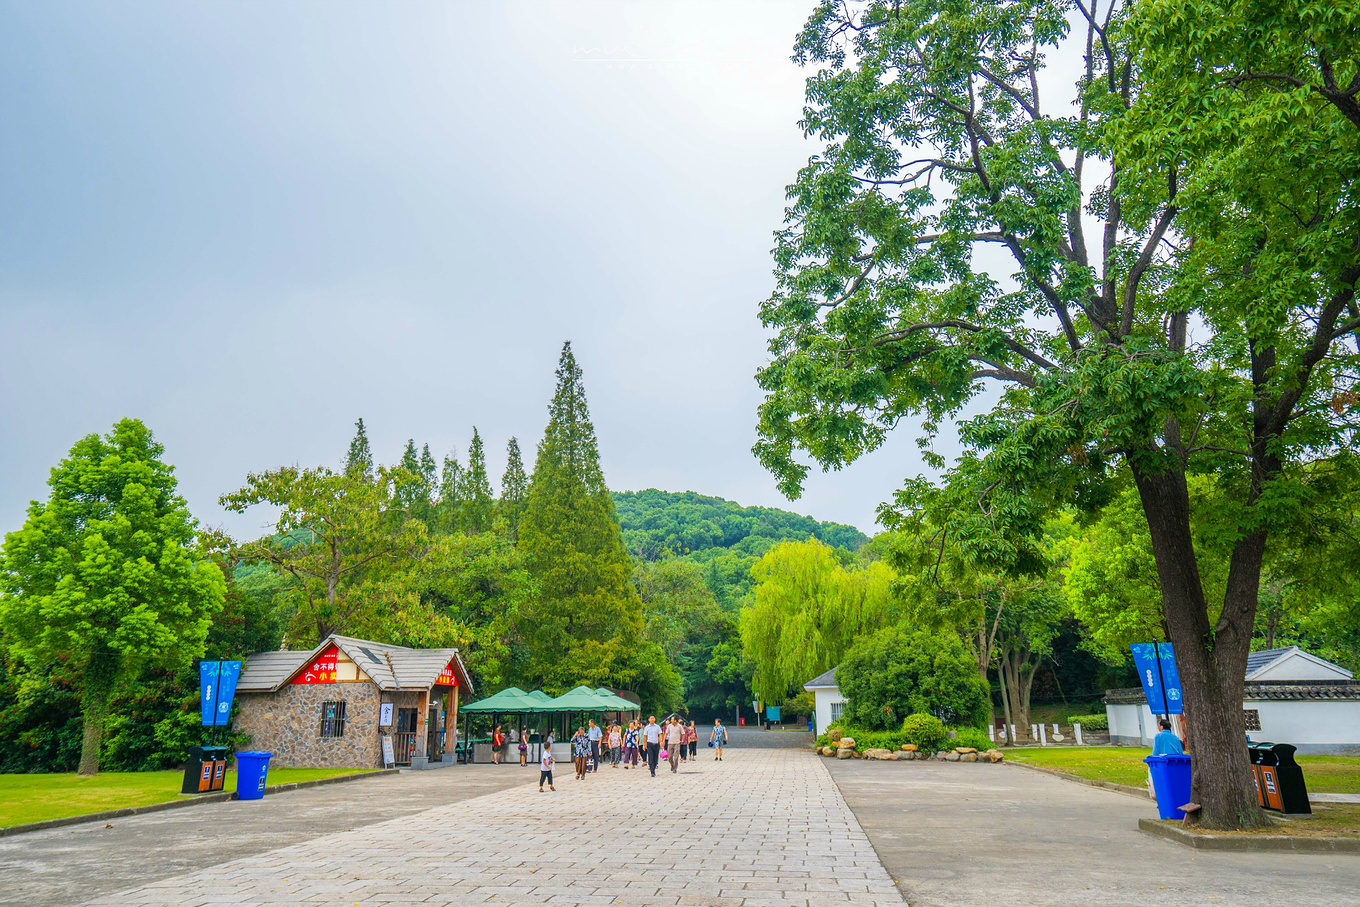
655	522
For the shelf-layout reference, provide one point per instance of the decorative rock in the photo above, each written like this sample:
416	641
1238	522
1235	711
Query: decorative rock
969	757
875	753
951	757
1058	738
844	753
909	747
963	750
846	743
993	756
893	757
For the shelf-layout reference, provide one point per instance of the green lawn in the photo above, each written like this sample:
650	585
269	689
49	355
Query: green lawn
1124	765
34	798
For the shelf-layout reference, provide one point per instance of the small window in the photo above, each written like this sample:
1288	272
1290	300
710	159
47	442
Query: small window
1253	717
837	709
333	718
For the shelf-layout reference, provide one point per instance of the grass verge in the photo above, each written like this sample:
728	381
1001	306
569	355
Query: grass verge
1124	765
36	798
1329	820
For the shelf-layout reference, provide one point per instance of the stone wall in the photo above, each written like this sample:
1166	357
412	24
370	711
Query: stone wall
288	724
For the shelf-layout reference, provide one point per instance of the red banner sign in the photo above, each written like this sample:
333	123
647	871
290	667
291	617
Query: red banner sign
322	668
446	679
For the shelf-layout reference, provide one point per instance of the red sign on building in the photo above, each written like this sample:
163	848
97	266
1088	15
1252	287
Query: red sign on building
322	668
446	678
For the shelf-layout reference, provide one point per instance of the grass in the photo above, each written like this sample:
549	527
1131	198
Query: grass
1331	820
1124	765
36	798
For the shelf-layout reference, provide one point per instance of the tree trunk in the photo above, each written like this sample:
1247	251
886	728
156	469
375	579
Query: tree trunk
1005	705
1211	661
99	677
1017	689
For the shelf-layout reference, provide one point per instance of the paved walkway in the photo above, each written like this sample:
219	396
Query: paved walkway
764	828
952	832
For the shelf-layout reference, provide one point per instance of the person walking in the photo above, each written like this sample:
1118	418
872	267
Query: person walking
615	745
651	734
675	738
545	767
718	739
523	748
594	735
580	750
693	741
497	741
630	746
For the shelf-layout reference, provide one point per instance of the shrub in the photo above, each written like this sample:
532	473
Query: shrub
834	733
1092	722
971	736
926	731
899	671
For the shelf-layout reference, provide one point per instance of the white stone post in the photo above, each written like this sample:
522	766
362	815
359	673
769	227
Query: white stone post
1012	733
1043	740
1055	729
991	732
1076	729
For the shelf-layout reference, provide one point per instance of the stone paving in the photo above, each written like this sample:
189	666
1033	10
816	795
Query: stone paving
763	828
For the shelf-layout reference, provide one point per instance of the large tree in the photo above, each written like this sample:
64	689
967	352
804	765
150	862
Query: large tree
107	577
1199	328
478	499
338	537
514	489
586	625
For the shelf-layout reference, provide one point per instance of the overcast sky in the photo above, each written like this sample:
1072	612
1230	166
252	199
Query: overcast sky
249	224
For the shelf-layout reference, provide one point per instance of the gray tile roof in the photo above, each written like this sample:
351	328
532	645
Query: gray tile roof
390	667
1258	660
822	680
1255	691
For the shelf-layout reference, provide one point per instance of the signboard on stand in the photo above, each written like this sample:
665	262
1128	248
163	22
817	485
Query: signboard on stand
389	756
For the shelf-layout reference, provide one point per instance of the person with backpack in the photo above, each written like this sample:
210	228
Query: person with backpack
717	739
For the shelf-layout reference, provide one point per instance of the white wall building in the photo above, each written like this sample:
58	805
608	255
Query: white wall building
1290	697
828	698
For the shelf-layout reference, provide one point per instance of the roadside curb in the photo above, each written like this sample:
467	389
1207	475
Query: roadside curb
180	804
1240	843
1139	792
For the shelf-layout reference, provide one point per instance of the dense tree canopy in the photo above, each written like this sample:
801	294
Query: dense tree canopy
107	576
899	670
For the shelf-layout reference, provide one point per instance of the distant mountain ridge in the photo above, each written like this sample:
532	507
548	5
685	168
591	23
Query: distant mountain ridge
656	522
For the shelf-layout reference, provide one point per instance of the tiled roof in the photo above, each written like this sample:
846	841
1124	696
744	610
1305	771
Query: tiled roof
822	680
390	667
1258	660
1257	691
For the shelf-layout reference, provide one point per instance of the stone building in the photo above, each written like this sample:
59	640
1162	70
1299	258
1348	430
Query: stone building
333	705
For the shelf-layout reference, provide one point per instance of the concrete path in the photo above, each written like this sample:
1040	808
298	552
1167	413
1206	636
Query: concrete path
763	828
75	863
951	833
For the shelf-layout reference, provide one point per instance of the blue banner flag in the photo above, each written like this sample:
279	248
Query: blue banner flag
217	688
1156	664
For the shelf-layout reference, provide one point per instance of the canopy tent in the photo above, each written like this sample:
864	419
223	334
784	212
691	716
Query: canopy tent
511	699
582	699
617	702
540	697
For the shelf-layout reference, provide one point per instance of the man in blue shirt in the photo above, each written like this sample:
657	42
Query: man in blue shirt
1166	743
594	735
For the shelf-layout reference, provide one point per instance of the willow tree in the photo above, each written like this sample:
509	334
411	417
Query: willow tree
1163	308
807	610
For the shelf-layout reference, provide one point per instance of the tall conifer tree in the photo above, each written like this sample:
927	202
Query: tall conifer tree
449	510
586	624
514	489
359	460
478	499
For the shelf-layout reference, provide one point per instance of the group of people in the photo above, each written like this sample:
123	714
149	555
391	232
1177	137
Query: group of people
673	740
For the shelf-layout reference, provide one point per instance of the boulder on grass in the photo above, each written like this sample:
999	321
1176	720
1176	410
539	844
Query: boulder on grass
993	756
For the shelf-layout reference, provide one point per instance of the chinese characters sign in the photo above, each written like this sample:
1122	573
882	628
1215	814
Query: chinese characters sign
1157	670
446	678
322	668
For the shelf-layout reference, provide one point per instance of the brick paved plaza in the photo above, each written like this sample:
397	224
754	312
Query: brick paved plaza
764	827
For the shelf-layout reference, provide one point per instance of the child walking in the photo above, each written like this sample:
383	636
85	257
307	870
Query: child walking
545	767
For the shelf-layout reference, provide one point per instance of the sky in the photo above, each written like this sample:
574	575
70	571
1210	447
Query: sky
249	224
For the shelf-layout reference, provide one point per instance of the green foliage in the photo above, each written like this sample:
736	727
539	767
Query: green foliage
1092	722
656	523
514	489
106	578
477	498
970	736
807	610
899	671
586	624
359	459
926	731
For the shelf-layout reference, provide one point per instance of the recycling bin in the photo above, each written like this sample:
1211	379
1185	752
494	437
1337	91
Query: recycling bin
1170	783
252	773
1279	779
205	769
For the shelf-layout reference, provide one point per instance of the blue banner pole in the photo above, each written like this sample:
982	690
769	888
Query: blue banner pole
1157	654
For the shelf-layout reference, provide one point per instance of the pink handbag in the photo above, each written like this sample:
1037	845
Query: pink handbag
665	755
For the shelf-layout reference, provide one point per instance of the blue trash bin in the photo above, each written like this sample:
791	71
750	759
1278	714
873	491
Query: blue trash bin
252	773
1171	784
